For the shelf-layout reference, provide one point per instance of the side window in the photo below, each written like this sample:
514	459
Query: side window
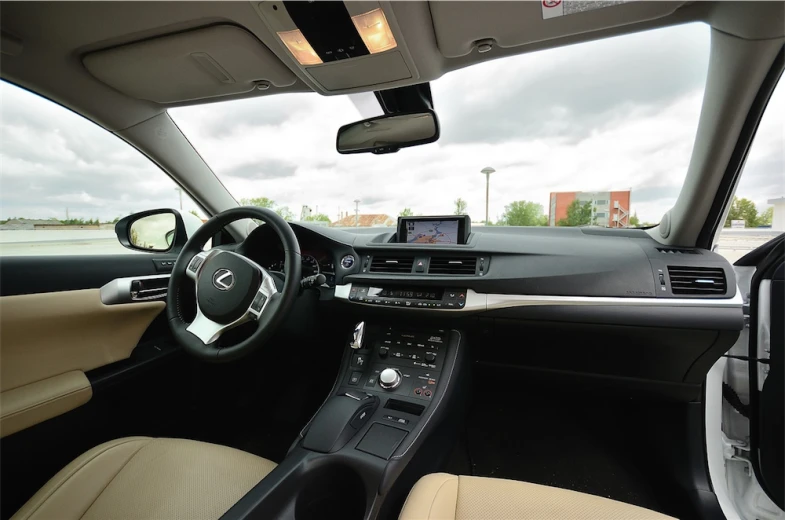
757	213
65	181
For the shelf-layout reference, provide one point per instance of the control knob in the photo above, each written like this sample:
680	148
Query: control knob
390	378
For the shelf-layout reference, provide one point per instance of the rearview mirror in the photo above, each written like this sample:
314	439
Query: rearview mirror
388	133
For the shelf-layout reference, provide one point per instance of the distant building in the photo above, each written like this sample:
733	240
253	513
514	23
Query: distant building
778	220
370	220
610	208
29	224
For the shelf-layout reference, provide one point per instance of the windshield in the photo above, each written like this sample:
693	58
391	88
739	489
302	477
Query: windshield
598	133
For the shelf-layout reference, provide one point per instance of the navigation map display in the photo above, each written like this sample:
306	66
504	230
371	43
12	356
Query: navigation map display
432	232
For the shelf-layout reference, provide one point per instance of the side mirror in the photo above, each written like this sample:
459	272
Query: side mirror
154	231
388	133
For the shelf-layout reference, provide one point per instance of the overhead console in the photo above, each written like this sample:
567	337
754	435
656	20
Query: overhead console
341	46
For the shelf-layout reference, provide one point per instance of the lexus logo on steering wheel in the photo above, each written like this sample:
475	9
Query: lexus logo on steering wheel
223	279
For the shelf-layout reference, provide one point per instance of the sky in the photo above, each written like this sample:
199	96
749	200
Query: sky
614	114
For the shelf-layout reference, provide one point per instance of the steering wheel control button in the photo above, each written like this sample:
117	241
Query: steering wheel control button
258	302
195	263
390	378
354	380
347	262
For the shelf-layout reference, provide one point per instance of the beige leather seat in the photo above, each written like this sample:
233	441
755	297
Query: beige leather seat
441	496
142	478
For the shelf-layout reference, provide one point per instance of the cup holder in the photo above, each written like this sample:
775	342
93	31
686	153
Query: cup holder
334	491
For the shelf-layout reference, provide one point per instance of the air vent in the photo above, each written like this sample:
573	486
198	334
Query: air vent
673	251
697	281
392	264
453	265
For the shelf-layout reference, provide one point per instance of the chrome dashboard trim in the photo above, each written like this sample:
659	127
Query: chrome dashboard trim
485	302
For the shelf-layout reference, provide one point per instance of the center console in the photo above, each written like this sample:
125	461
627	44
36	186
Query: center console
396	387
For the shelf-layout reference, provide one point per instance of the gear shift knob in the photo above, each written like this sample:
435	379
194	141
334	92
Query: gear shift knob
358	336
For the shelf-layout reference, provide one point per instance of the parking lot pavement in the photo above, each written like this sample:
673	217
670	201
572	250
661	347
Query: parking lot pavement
53	242
735	243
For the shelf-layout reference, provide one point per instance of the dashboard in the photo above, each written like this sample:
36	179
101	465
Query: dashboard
506	267
607	302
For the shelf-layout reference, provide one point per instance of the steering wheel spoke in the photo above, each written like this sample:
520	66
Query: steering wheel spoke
207	330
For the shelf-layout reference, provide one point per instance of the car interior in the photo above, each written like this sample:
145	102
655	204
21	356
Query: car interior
290	370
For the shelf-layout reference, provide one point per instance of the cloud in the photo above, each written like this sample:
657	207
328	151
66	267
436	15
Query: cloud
607	115
270	169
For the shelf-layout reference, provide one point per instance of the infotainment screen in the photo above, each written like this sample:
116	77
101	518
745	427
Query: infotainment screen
433	230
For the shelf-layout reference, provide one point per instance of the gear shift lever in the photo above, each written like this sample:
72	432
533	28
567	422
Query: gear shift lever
358	336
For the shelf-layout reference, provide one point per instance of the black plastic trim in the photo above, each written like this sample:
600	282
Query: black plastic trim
43	274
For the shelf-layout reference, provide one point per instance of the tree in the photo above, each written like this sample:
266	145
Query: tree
523	213
319	217
262	202
195	214
743	209
460	206
407	212
766	217
283	212
634	220
578	214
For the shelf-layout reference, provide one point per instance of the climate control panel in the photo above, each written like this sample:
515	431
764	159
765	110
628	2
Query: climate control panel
410	297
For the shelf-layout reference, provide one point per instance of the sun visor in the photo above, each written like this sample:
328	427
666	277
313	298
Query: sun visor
215	61
462	26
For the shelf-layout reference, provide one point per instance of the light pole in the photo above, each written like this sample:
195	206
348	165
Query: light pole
357	212
180	191
487	171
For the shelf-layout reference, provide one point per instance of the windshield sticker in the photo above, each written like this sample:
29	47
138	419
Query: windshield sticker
555	8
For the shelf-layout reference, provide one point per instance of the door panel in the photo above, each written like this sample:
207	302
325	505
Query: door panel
44	335
54	329
74	372
50	340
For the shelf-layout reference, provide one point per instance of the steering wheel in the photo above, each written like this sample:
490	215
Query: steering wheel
231	289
